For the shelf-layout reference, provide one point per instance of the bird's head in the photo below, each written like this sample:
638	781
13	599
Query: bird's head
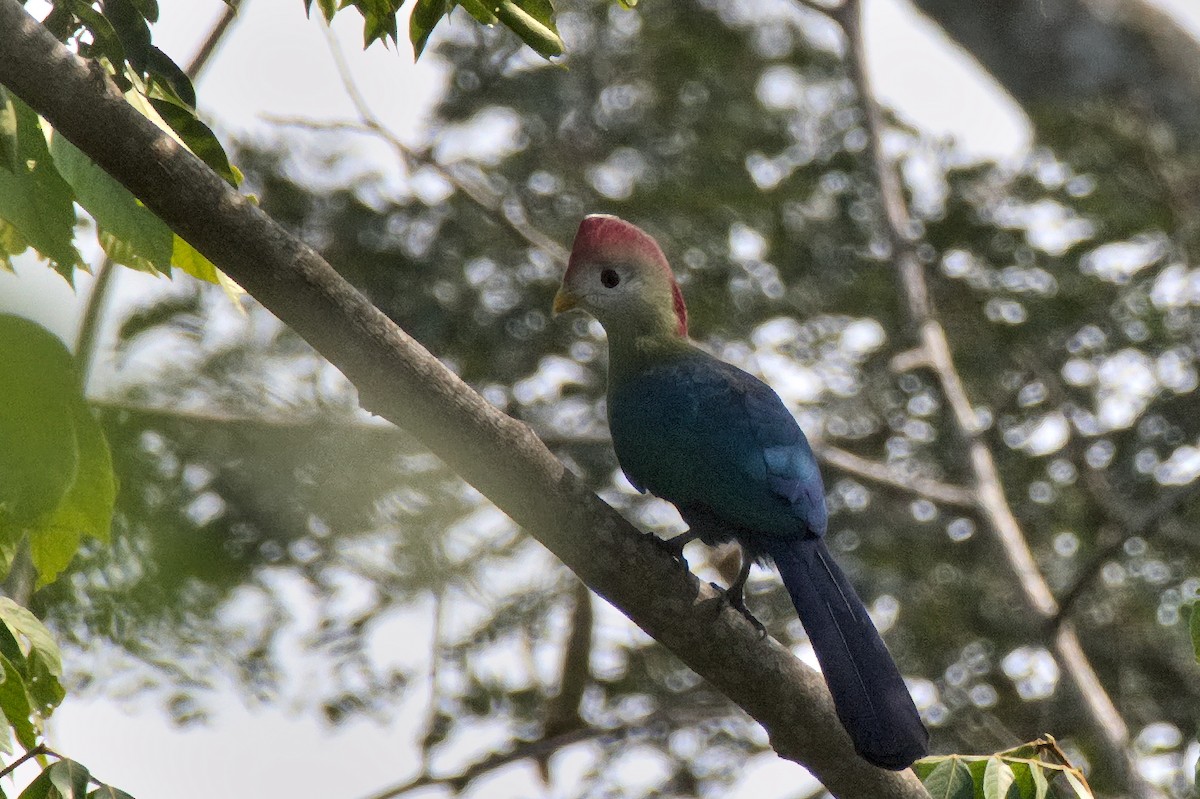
618	274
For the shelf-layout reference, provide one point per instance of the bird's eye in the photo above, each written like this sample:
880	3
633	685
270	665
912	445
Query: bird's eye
610	278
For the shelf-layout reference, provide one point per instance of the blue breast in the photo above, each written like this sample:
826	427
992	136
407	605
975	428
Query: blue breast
699	432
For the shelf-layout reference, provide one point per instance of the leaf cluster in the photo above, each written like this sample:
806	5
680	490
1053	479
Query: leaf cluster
1035	770
40	184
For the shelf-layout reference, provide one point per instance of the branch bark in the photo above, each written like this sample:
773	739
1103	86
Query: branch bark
399	380
1048	53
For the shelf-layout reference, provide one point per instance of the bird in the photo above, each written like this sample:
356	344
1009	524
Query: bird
721	446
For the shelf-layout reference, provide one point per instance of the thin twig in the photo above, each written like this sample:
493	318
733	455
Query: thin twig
1118	509
93	313
435	668
471	187
215	36
882	473
37	751
540	748
926	326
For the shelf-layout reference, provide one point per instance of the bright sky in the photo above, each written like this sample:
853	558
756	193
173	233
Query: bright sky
275	63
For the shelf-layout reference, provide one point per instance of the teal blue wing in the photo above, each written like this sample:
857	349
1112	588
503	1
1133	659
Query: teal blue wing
698	431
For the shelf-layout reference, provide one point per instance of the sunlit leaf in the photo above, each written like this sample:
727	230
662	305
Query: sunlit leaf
35	199
11	244
69	778
1041	785
425	16
198	137
108	792
17	705
8	133
533	21
189	259
1078	786
483	12
998	779
25	626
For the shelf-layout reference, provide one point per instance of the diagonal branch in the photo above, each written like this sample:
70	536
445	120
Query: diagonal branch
988	488
401	381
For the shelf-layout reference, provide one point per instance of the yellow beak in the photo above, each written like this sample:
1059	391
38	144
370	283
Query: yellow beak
564	301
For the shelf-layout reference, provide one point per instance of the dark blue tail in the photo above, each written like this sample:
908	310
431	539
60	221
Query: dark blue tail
868	691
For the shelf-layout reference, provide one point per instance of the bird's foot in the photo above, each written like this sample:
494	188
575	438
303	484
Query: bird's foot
736	599
673	546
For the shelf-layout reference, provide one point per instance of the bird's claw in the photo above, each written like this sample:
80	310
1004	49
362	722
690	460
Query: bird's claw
672	546
737	601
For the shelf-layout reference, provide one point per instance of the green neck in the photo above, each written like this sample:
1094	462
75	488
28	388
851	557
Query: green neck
631	352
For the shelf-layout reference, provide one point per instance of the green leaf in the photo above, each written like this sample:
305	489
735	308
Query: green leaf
1025	784
163	69
87	509
24	625
533	21
35	199
41	655
198	137
108	792
148	9
998	779
11	244
424	18
16	704
950	779
40	788
8	133
1081	789
328	8
39	449
483	12
69	778
378	26
131	28
105	41
136	237
189	259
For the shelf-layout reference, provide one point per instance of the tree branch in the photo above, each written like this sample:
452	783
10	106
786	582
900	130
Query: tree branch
988	489
399	380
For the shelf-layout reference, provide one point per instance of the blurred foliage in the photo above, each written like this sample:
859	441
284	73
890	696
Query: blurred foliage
261	512
56	486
